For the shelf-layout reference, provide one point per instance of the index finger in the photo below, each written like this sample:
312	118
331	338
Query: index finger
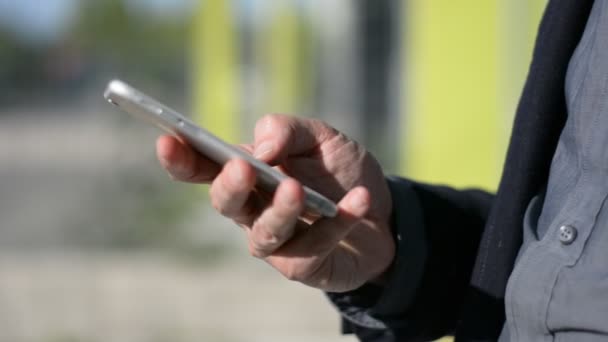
278	136
183	163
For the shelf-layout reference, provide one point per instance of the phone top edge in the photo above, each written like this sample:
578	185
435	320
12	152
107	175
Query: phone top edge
117	87
145	107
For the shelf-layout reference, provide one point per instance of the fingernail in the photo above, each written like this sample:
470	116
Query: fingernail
290	199
359	201
263	149
269	238
178	169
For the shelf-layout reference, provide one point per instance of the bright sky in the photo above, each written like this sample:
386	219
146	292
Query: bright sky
35	21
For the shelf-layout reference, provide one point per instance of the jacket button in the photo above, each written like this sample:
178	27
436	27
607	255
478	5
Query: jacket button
567	234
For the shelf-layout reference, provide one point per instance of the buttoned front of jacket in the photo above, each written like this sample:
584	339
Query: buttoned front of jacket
558	290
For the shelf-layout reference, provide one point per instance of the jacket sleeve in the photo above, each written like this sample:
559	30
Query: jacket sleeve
437	231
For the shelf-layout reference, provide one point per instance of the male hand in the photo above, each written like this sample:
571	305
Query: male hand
333	254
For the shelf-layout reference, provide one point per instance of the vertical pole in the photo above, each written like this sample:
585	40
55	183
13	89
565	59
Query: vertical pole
281	57
215	74
376	31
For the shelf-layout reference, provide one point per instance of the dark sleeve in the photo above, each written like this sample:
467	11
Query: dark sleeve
437	231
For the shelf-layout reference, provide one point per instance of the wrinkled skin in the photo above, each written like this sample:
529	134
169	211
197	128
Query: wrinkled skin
337	254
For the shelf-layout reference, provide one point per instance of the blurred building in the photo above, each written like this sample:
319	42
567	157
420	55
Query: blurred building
429	86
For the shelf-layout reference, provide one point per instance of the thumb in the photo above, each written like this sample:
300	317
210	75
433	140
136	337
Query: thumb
353	207
278	136
306	254
321	238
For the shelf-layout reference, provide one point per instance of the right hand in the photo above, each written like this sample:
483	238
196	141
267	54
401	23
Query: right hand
337	254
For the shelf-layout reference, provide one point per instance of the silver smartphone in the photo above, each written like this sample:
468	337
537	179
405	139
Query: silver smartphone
146	108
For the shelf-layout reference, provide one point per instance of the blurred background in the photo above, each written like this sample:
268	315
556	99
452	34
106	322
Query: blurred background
96	244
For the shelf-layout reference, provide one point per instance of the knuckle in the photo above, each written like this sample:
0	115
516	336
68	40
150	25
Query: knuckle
256	252
272	234
324	127
264	241
294	272
271	226
243	218
273	118
273	123
267	121
319	123
216	205
297	270
223	211
266	237
253	252
218	197
172	176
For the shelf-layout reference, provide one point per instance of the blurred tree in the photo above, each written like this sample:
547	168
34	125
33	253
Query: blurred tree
106	37
8	56
133	44
21	68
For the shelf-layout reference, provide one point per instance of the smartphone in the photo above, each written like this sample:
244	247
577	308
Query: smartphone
146	108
